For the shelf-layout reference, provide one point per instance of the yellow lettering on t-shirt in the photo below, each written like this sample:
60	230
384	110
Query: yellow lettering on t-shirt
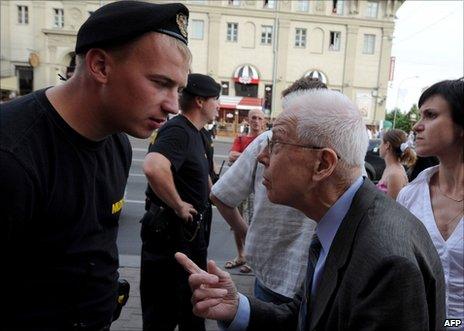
117	206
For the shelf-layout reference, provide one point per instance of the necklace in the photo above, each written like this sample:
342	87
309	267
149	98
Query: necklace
455	217
451	198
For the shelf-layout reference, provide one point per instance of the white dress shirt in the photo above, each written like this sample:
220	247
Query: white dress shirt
416	197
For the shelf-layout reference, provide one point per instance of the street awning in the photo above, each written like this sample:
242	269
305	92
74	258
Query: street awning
228	102
9	83
246	74
250	103
241	103
316	74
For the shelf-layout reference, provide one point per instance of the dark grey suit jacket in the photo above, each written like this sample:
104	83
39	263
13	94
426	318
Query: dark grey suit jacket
382	273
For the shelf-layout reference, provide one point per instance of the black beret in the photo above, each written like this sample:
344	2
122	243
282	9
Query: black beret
121	21
202	86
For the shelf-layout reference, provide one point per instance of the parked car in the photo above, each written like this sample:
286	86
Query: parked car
373	163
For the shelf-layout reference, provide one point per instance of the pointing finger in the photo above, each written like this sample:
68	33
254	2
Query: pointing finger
188	264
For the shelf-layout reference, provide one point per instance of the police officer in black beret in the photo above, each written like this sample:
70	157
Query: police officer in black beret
65	162
177	170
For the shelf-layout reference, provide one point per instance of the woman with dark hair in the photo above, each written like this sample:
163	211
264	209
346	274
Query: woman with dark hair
436	195
396	150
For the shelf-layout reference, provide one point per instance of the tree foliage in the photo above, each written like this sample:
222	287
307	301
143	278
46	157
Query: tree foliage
403	121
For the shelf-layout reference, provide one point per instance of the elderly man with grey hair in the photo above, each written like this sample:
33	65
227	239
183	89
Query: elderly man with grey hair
372	265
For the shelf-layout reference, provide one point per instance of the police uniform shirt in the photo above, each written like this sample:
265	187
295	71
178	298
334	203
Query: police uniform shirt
181	143
61	198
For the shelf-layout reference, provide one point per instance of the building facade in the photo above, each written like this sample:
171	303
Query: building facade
255	48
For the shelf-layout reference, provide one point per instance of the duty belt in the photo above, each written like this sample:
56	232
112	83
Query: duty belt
196	221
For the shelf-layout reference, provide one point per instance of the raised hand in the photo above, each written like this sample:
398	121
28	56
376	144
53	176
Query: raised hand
214	293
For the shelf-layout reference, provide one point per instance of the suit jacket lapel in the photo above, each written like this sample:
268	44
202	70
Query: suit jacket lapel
340	251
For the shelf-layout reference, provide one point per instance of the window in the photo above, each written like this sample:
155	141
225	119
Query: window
224	88
232	32
303	5
266	34
197	29
268	96
234	2
59	17
269	4
335	37
369	44
300	37
26	77
338	7
23	15
372	9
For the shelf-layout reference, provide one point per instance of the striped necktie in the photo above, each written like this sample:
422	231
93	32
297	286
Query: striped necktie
303	316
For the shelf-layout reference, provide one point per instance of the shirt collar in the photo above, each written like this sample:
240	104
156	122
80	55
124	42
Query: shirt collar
328	225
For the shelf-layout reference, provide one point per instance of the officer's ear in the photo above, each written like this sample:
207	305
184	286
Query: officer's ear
98	64
199	101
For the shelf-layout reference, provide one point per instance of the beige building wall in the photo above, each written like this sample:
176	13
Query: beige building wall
362	77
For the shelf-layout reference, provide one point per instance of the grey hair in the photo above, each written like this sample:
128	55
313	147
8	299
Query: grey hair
327	118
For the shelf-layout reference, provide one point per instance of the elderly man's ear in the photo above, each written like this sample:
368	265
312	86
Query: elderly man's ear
325	164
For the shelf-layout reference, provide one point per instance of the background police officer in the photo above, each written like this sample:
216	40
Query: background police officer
64	165
177	170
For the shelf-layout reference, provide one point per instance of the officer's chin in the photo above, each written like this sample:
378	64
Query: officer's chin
141	134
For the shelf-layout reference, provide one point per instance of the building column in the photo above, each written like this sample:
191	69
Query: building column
281	65
350	65
382	80
6	24
214	26
42	76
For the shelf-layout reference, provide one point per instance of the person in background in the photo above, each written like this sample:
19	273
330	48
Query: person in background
256	120
396	150
421	164
256	127
177	170
65	162
436	195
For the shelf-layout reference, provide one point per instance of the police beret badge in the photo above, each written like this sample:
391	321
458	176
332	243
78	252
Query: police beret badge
182	22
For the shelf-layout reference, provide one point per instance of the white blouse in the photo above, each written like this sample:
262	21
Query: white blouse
416	197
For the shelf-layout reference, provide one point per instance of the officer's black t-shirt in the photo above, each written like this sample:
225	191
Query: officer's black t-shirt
60	200
181	143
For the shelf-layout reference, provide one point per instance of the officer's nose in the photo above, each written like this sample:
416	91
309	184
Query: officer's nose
171	104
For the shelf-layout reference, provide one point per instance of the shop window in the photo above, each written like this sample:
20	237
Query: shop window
224	88
26	76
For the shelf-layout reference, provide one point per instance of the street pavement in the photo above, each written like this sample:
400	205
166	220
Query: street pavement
221	249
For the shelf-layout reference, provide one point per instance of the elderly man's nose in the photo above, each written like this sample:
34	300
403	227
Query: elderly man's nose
263	157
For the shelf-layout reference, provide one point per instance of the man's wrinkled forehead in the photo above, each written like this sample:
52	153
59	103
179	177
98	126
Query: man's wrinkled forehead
284	126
